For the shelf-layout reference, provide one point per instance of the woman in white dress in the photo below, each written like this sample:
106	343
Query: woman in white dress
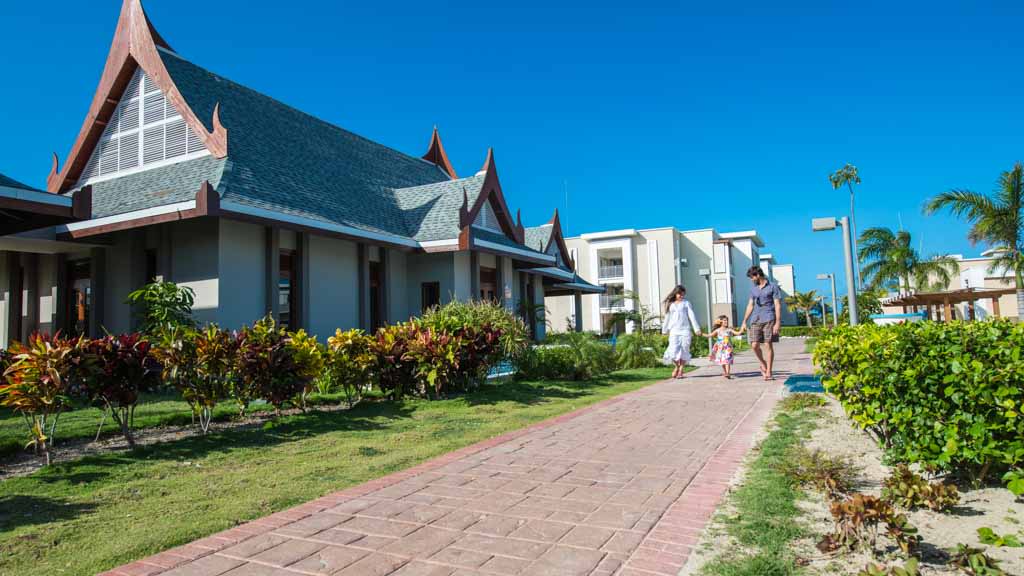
679	323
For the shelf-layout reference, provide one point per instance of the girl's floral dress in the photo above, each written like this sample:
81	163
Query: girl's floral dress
721	353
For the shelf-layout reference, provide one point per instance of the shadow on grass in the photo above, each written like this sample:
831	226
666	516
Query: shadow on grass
364	417
24	510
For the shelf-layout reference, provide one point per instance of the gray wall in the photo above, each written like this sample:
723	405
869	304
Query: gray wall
399	291
429	268
333	285
242	263
194	261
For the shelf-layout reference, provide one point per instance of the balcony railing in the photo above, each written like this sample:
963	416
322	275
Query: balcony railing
612	301
610	271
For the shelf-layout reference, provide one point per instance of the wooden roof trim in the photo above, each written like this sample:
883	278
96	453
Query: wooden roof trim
135	44
559	239
436	155
492	188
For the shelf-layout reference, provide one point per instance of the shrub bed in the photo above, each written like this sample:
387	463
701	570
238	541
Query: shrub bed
948	396
450	349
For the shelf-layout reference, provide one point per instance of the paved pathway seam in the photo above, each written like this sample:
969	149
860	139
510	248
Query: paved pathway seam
621	487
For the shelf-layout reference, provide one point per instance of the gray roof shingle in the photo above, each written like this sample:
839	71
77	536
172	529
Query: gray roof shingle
537	237
432	211
285	160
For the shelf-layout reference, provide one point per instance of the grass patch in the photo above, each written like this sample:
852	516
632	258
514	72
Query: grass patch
101	511
765	518
154	410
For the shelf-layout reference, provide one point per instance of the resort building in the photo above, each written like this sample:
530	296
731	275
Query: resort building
646	264
180	174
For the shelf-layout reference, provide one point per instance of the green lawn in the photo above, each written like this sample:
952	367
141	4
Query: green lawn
102	511
163	409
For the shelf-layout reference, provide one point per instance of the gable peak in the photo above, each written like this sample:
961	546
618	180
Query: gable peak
436	154
488	163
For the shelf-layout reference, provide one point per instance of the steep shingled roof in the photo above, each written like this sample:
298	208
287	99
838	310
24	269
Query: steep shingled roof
538	237
285	160
432	210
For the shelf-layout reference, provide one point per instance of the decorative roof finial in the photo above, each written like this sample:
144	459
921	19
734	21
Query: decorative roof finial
436	154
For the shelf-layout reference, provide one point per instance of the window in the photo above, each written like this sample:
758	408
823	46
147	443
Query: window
288	287
150	266
488	284
79	299
144	129
721	258
376	295
722	292
430	295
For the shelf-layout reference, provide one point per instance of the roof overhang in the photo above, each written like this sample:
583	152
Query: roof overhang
522	254
744	235
950	296
22	209
577	285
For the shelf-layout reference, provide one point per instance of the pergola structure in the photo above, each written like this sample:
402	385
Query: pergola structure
943	302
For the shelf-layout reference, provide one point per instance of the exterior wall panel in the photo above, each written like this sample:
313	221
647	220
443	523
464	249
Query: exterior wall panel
333	284
242	265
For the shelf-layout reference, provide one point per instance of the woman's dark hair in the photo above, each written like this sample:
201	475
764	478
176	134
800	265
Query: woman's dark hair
679	289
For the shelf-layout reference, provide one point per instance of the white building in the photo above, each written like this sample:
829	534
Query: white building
650	262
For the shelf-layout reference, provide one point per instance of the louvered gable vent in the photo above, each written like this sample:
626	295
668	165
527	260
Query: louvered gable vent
145	130
487	218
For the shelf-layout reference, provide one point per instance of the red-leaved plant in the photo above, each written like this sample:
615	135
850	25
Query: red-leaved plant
39	380
123	368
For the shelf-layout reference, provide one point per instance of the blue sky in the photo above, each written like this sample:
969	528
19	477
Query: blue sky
729	115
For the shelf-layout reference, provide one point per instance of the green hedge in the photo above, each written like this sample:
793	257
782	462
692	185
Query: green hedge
578	356
948	396
799	331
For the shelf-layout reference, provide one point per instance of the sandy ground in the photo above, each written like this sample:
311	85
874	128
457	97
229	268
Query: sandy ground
991	507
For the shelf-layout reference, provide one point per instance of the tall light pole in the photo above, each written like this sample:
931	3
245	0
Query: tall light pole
835	305
830	223
823	315
705	273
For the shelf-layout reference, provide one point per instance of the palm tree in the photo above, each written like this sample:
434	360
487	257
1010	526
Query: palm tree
805	301
848	176
891	261
997	220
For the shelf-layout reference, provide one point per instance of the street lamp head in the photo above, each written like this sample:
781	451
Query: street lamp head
823	224
824	276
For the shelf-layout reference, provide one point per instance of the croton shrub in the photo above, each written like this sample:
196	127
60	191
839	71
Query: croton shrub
121	368
948	396
39	380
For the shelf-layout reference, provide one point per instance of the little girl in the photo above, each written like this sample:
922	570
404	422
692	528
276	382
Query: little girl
721	351
680	323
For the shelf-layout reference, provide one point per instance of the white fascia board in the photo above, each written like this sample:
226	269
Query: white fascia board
751	234
609	234
510	250
35	196
439	243
317	224
145	213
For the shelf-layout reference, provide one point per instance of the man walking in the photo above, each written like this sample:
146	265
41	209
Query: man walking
764	310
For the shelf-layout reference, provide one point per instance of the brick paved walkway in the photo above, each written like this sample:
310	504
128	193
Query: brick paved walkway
623	487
